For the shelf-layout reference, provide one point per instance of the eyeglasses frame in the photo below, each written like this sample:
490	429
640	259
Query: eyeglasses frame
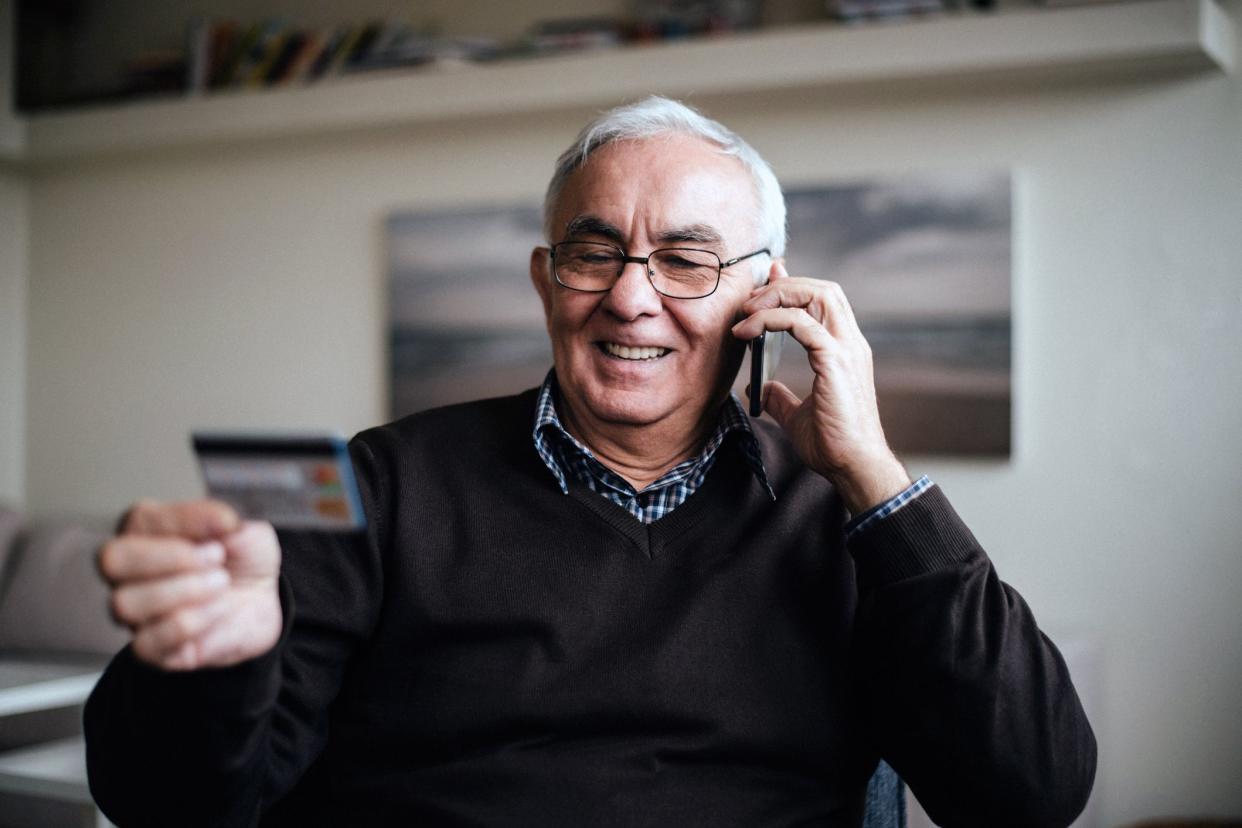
645	261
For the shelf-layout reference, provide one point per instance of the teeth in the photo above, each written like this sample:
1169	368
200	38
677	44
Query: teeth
626	352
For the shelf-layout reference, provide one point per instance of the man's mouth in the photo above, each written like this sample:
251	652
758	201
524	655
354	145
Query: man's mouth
635	352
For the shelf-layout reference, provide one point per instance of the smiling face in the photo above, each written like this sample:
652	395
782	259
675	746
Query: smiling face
631	356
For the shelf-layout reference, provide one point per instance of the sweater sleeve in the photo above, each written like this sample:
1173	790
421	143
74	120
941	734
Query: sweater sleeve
962	693
219	746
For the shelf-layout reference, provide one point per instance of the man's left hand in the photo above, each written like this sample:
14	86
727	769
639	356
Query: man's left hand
836	430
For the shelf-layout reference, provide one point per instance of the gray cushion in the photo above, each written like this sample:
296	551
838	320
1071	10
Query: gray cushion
53	598
10	525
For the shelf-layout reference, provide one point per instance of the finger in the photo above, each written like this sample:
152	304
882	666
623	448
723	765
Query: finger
194	519
230	641
823	300
844	308
776	272
227	640
189	656
253	550
787	291
780	402
134	558
138	603
801	326
165	637
186	657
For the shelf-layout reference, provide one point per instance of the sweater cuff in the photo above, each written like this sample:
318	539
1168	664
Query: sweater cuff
860	522
924	535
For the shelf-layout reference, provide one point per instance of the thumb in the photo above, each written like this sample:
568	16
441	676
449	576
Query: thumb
780	402
253	551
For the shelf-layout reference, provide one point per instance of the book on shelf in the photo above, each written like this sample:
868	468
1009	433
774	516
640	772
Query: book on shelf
268	38
198	55
222	49
238	56
855	10
365	43
303	61
227	54
320	65
265	58
279	66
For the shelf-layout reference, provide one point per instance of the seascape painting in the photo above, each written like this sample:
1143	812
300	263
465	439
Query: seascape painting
464	321
925	263
923	258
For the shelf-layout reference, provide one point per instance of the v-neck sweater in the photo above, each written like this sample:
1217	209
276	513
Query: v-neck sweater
496	652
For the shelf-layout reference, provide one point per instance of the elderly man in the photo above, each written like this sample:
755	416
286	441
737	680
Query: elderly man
611	600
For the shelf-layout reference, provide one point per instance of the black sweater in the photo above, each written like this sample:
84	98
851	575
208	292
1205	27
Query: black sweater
494	652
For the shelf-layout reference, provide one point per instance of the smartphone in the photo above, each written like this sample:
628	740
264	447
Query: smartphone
765	358
293	481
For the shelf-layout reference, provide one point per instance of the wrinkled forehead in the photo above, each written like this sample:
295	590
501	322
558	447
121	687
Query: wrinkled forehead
655	184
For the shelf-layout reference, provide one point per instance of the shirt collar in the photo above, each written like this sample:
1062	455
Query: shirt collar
732	418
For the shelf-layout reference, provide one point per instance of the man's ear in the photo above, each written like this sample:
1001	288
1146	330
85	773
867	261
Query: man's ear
541	277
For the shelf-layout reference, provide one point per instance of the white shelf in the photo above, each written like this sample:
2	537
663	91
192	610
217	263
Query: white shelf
1154	36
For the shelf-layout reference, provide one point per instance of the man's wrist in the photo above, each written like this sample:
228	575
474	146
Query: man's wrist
872	484
865	520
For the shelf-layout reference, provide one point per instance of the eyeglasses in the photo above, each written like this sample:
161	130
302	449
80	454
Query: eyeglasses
676	272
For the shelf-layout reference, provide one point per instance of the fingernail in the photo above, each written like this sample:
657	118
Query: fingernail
211	552
218	578
223	520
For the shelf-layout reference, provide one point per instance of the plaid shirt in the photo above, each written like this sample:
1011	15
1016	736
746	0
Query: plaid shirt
568	459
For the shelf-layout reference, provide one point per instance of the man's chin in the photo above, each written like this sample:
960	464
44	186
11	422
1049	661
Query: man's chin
626	409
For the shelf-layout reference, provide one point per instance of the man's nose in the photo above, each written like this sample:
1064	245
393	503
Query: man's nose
632	295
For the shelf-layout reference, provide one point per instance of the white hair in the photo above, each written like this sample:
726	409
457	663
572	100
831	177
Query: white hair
655	116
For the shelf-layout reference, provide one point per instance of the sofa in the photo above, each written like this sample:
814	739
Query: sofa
52	601
53	619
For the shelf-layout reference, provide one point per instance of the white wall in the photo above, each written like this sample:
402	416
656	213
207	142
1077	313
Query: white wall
13	246
14	238
244	286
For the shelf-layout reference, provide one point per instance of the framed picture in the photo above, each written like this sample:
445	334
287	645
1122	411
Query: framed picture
925	262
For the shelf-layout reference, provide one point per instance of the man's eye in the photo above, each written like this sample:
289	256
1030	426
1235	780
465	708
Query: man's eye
687	265
597	258
679	262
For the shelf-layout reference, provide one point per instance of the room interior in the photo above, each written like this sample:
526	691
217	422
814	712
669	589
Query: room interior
219	260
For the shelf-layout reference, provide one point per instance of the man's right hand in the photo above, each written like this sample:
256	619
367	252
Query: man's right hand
195	584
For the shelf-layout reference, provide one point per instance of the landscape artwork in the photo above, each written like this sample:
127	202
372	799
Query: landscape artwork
924	259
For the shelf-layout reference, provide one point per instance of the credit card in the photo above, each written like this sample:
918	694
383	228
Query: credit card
294	481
